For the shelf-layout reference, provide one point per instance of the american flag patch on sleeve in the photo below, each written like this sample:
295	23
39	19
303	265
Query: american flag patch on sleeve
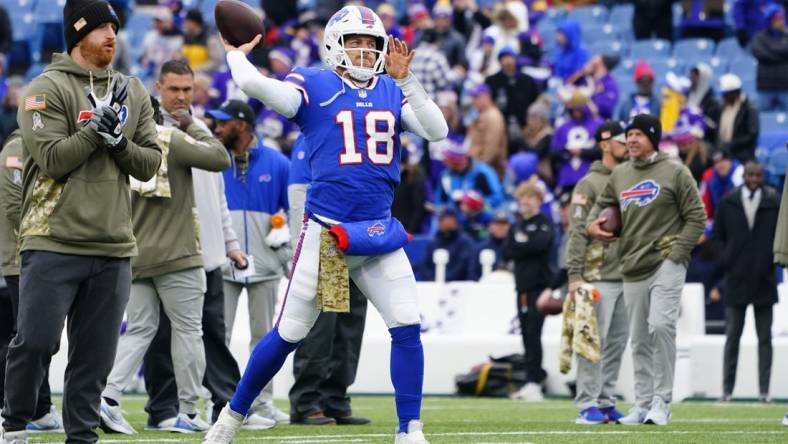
35	102
13	162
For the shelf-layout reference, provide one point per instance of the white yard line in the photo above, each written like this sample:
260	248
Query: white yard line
298	439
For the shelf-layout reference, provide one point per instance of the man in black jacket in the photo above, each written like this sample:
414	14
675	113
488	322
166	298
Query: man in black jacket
512	91
528	244
737	123
744	230
770	47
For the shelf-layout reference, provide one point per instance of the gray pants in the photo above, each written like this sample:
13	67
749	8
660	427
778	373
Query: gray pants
91	292
261	298
596	383
181	294
654	305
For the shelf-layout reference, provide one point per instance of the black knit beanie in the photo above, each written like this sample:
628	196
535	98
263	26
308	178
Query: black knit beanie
650	126
82	16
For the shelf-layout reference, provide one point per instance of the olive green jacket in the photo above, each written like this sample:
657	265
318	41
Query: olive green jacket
10	202
76	194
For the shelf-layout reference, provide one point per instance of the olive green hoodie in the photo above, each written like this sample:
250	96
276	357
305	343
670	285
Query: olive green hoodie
589	259
165	218
662	215
10	201
76	194
781	237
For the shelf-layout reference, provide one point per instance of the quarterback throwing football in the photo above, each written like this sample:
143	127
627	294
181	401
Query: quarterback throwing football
351	115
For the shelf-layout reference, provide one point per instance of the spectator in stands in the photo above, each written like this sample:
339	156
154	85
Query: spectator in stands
770	47
643	100
468	18
463	173
703	18
512	91
281	11
487	132
9	107
738	125
202	95
450	42
430	66
162	43
420	21
571	55
497	229
538	134
701	95
6	36
596	74
202	50
573	141
528	244
410	196
744	231
748	19
474	216
503	32
454	240
483	61
447	102
726	175
693	150
674	100
653	18
388	16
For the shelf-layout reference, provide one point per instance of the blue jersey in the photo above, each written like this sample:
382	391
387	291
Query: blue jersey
300	172
353	140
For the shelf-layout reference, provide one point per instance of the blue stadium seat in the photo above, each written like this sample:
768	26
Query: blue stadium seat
52	38
626	86
769	142
34	70
49	11
774	122
777	165
693	49
648	49
621	15
719	66
607	47
662	66
729	47
748	85
589	14
745	68
554	15
592	32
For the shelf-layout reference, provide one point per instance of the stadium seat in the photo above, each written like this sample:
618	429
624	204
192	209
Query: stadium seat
743	67
589	15
693	49
49	11
769	142
662	66
648	49
774	121
729	47
554	15
607	47
621	15
719	66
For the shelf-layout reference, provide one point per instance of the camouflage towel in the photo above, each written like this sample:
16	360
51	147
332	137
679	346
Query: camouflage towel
579	329
158	185
333	278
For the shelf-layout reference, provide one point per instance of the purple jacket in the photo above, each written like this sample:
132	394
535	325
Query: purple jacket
605	96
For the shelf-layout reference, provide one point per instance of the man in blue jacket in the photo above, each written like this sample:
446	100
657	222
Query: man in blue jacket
256	190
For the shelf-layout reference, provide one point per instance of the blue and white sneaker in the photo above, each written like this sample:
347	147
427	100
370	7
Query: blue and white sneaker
785	420
49	423
112	420
163	425
186	424
612	415
590	416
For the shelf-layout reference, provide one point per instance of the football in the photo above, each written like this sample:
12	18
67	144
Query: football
549	304
612	223
237	22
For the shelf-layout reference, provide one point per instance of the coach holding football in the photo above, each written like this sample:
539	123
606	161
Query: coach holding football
85	130
662	219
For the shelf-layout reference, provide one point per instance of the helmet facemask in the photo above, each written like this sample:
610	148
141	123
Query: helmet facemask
364	71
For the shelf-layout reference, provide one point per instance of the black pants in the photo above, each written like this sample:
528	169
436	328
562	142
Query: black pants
92	293
734	324
651	20
221	370
325	364
715	34
531	322
9	307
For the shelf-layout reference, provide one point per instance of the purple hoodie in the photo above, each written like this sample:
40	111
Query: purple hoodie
605	96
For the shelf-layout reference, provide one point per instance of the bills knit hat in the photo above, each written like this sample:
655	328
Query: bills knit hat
650	126
82	16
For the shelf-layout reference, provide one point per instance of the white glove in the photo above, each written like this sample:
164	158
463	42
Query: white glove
278	237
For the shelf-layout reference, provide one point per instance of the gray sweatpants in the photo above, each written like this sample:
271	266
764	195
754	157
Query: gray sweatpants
181	294
261	299
596	383
654	305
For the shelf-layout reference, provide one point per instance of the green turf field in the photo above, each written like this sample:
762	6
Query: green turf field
478	421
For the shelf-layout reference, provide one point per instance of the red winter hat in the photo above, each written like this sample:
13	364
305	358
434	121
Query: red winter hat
643	69
473	200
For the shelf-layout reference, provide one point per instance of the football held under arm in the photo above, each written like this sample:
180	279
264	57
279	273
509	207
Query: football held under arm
280	96
421	115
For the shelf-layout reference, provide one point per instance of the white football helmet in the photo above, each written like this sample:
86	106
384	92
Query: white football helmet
355	20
